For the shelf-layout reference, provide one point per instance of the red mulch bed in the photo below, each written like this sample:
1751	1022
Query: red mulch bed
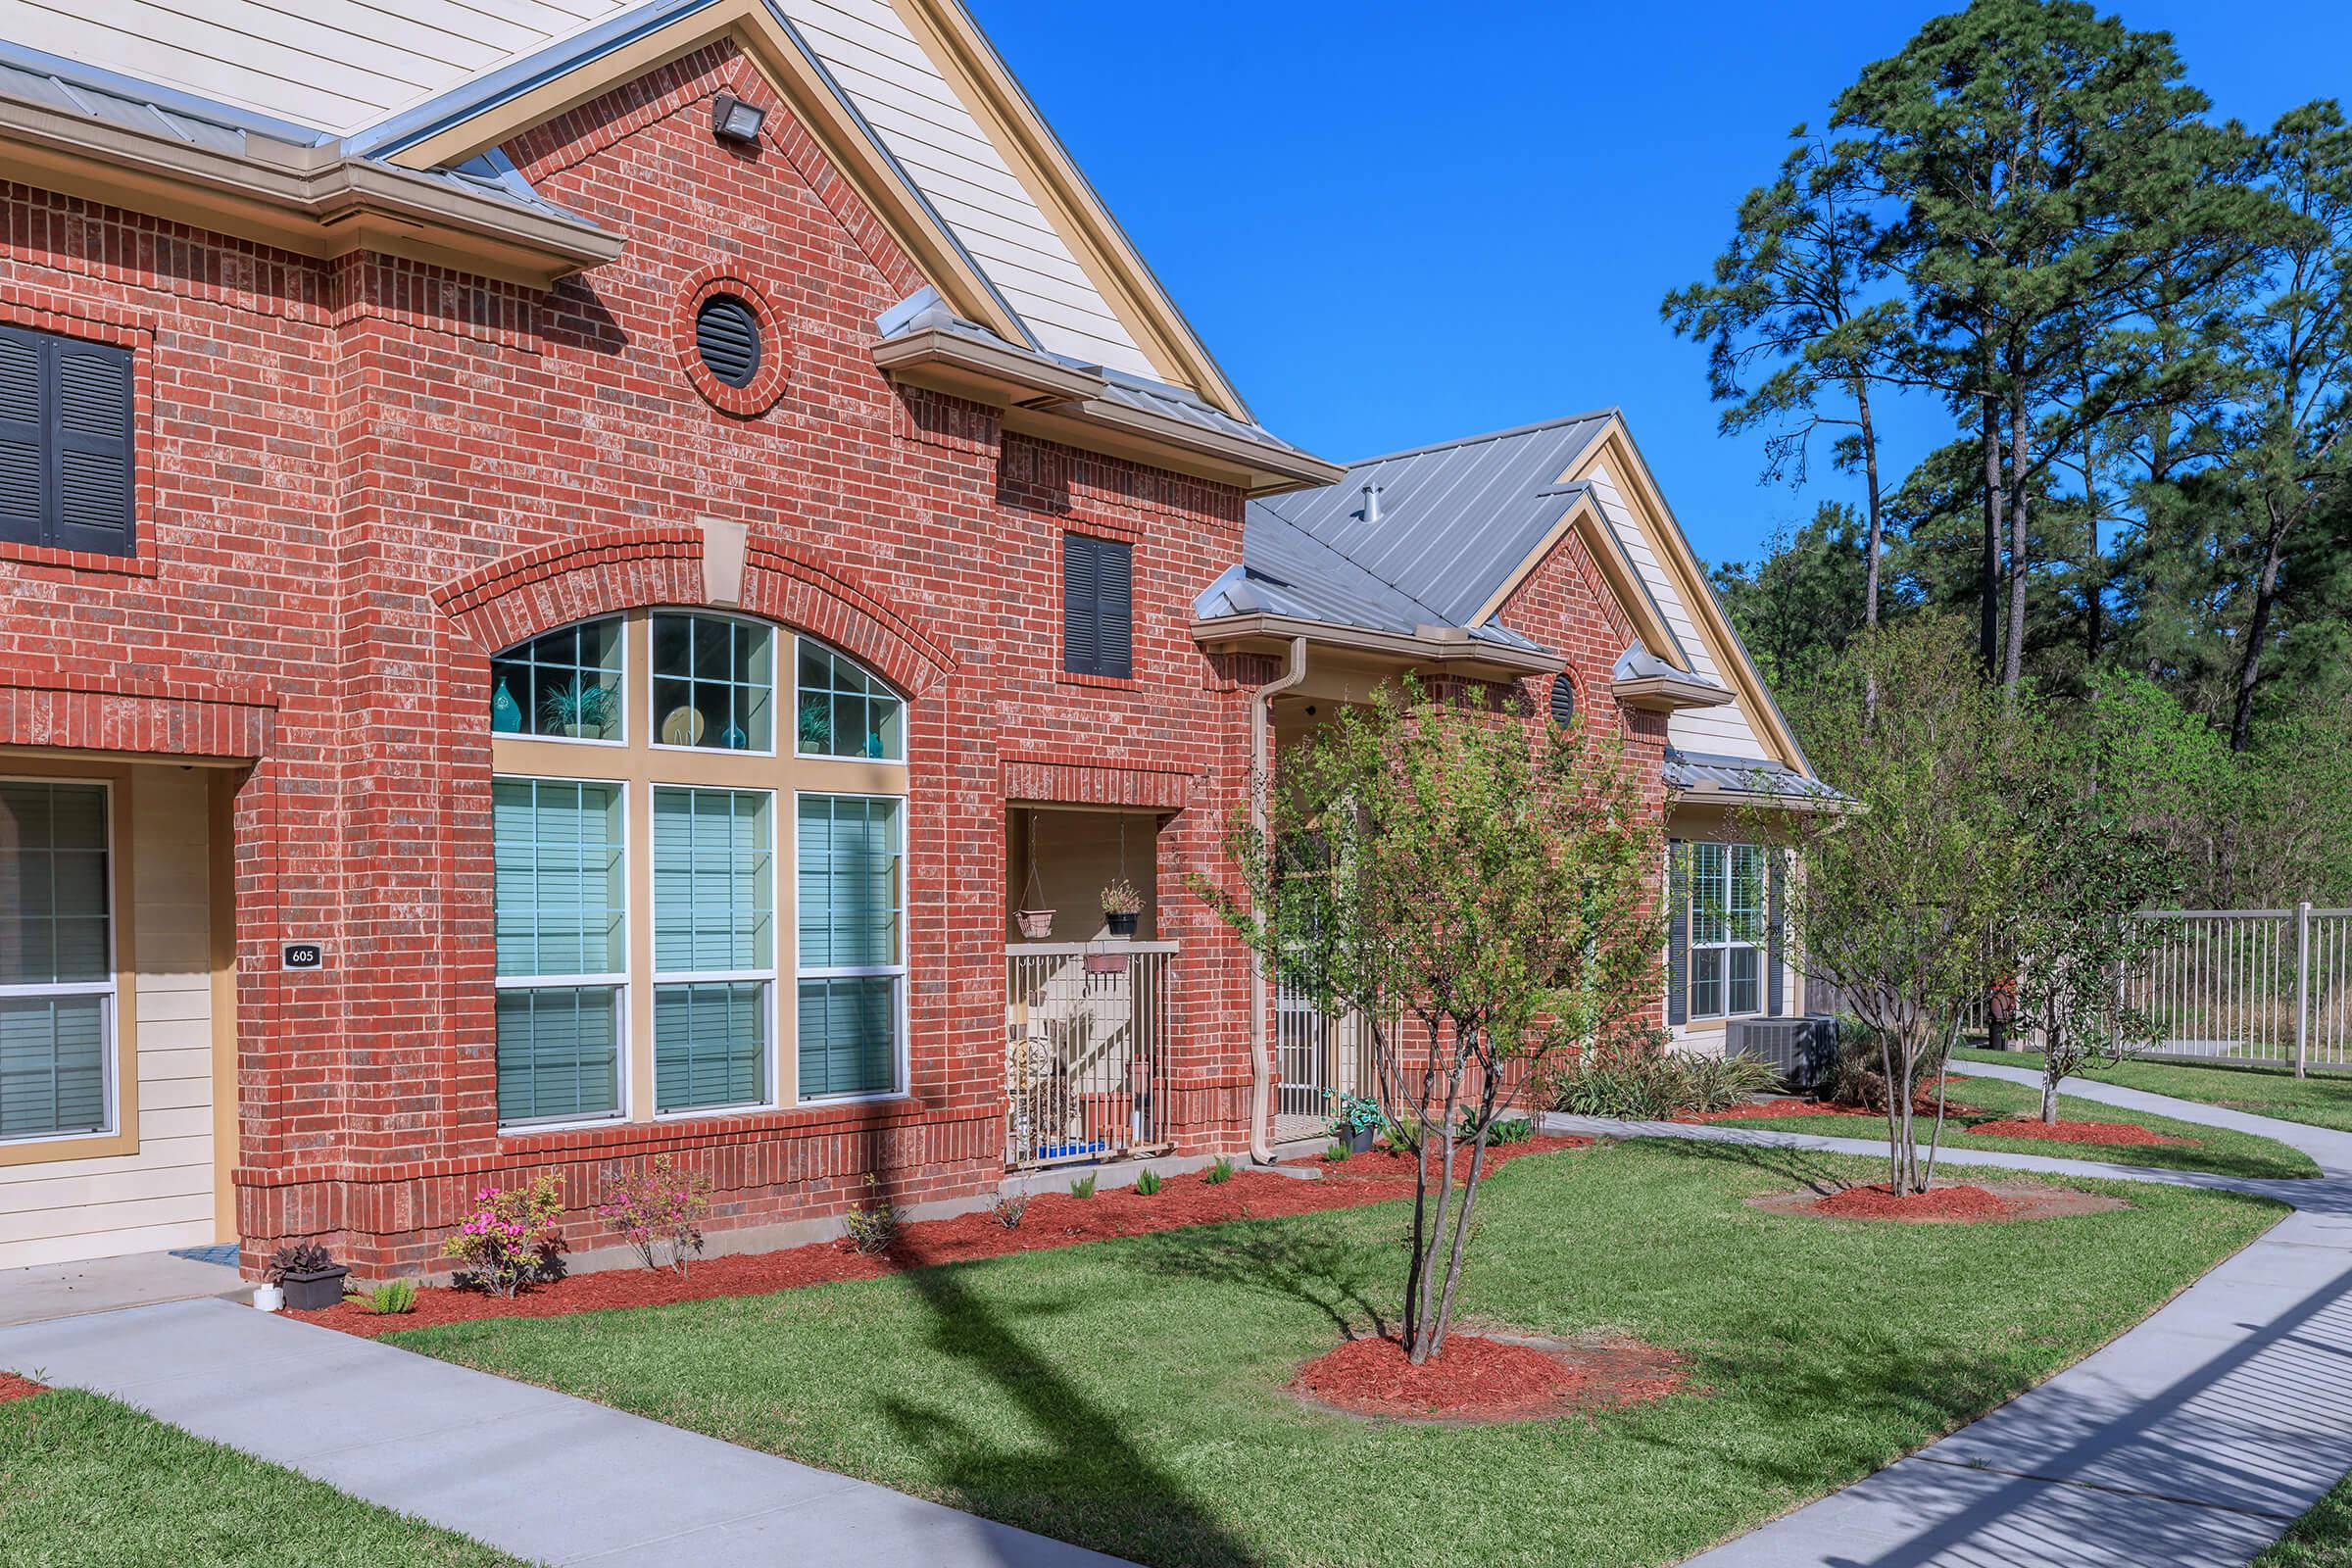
1054	1219
13	1387
1947	1204
1775	1110
2079	1131
1478	1379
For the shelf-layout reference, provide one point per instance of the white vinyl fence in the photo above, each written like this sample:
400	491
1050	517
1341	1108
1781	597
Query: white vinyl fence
2269	986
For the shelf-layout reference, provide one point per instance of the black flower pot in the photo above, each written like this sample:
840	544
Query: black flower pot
314	1290
1124	925
1359	1140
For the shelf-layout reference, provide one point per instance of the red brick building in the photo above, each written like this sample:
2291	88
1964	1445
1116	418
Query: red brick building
562	594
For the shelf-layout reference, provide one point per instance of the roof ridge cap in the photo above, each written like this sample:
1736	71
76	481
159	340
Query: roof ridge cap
1490	436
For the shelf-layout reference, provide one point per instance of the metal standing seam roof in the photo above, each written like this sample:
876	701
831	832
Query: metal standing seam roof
1742	777
1457	519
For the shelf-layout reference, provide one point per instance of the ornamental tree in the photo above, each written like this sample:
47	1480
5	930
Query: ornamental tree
1901	902
1479	892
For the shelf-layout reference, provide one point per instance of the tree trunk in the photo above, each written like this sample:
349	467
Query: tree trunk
2049	1100
1988	580
1870	480
2258	627
2021	440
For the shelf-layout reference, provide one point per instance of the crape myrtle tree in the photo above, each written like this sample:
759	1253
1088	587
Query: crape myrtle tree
1898	903
2076	931
1480	892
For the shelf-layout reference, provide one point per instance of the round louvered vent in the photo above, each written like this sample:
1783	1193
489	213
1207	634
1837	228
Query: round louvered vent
727	336
1563	700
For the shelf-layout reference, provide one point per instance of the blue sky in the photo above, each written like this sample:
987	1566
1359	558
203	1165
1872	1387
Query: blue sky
1394	224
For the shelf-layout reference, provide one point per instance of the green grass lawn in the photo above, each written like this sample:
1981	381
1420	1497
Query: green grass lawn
87	1483
1127	1395
2231	1154
2321	1539
2322	1100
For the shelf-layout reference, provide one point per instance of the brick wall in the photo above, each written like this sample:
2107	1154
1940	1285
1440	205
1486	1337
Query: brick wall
360	478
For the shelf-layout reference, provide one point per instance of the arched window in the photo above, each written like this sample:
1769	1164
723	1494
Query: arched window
700	872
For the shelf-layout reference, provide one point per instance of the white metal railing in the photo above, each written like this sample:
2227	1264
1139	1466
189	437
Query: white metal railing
1087	1036
2249	985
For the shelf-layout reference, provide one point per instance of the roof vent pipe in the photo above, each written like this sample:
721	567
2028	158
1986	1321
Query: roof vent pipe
1372	502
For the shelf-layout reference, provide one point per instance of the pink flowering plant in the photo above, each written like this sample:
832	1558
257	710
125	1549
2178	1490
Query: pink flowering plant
512	1239
658	1211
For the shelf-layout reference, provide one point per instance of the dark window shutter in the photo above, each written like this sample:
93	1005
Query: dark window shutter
1114	609
1078	643
93	413
1677	932
23	438
1775	1004
66	443
1098	606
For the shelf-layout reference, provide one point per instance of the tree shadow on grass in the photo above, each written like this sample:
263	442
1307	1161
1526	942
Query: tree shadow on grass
1806	1167
1096	1482
1321	1266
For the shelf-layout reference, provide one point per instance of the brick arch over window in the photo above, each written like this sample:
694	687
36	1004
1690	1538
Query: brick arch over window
514	600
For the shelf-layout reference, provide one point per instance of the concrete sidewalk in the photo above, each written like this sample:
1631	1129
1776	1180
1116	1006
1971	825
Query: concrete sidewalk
2193	1440
541	1475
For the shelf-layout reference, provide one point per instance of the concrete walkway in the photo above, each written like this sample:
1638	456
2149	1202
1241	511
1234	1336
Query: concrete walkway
541	1474
2192	1441
109	1284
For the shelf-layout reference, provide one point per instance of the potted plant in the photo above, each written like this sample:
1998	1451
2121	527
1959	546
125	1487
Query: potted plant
578	709
1356	1120
308	1275
1121	905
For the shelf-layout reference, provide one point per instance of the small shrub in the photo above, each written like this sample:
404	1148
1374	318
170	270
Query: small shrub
1402	1134
658	1213
1337	1154
513	1239
1009	1209
874	1224
1218	1173
387	1299
1720	1083
1146	1182
1083	1185
1513	1130
300	1258
1638	1077
1860	1078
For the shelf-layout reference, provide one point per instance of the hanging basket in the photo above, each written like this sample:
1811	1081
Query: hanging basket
1122	923
1036	924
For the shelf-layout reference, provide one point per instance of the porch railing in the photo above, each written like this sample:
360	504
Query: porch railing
1087	1030
2271	985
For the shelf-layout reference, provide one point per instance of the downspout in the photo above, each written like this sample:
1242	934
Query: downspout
1261	764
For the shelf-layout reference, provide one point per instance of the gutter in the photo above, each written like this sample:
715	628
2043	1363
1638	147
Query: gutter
1429	645
1262	759
315	200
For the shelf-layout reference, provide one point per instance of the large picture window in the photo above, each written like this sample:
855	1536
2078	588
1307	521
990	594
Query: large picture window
558	860
56	974
1726	929
852	944
700	916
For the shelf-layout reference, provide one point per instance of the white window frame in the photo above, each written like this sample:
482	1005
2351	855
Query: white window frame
1730	942
110	990
831	650
778	636
659	977
619	739
897	973
622	1066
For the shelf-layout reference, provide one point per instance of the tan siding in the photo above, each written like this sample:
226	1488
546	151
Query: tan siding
161	1195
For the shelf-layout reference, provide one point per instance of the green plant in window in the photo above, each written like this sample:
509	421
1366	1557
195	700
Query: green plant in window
578	708
816	726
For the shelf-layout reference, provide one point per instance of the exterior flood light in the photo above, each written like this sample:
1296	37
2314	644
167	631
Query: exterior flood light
733	120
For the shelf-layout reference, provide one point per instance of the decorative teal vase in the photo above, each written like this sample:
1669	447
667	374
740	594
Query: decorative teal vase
506	713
